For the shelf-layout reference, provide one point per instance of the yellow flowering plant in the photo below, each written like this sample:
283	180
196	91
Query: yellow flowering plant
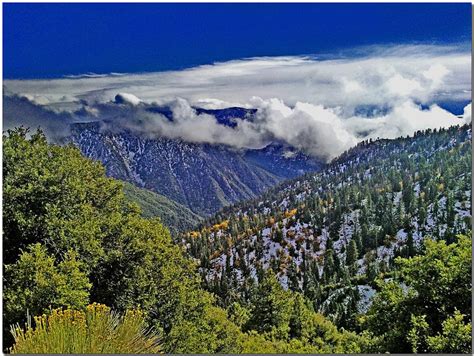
97	329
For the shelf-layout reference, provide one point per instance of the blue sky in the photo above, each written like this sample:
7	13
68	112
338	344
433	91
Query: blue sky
52	40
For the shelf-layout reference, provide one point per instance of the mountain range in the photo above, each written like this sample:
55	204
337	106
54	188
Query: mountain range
202	177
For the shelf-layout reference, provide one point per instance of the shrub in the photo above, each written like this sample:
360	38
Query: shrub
95	330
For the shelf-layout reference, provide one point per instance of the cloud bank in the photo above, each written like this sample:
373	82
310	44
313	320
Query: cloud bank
321	106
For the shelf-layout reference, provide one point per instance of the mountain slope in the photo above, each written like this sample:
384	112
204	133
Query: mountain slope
330	234
203	177
174	216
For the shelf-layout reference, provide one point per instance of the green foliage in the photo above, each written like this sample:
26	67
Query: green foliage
96	330
90	237
238	314
352	254
175	217
212	332
52	195
429	305
72	237
369	197
290	325
441	277
36	282
455	337
315	232
271	307
255	343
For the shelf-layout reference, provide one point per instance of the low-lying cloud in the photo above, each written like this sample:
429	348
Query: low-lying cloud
322	107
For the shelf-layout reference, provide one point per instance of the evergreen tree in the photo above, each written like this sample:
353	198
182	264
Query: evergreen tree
351	256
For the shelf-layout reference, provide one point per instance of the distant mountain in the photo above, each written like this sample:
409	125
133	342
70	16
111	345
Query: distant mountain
175	216
283	160
202	177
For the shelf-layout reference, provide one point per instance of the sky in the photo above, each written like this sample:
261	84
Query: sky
322	76
52	40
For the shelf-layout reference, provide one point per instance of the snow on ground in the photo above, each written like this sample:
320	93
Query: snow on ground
366	293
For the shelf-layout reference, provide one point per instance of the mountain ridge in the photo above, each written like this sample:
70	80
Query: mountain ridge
343	226
203	177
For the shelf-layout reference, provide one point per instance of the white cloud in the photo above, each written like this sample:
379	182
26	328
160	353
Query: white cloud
403	120
351	86
436	73
410	72
467	115
402	87
304	101
126	98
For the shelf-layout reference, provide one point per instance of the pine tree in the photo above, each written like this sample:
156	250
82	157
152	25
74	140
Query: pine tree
271	307
351	255
411	251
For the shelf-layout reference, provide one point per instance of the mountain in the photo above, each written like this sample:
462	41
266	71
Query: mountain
202	177
283	160
330	234
175	216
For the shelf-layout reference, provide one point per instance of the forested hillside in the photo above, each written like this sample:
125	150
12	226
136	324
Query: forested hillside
335	236
176	217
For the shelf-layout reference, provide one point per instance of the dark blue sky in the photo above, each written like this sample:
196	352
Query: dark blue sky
51	40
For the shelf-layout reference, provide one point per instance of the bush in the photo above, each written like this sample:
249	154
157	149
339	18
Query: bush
96	330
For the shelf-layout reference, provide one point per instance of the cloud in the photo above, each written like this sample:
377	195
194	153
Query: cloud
467	114
125	98
436	73
20	111
403	120
402	87
322	106
292	79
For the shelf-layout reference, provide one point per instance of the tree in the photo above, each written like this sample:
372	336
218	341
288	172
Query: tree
455	337
438	291
300	317
352	255
329	266
271	307
411	250
212	332
54	196
93	239
36	283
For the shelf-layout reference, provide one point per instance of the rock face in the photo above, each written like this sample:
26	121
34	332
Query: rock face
203	177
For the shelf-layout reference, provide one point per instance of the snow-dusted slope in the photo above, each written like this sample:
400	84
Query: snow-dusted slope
202	177
387	196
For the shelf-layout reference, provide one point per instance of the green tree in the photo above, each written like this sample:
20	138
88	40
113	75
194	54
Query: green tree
455	337
271	307
54	196
36	283
351	256
86	227
438	285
